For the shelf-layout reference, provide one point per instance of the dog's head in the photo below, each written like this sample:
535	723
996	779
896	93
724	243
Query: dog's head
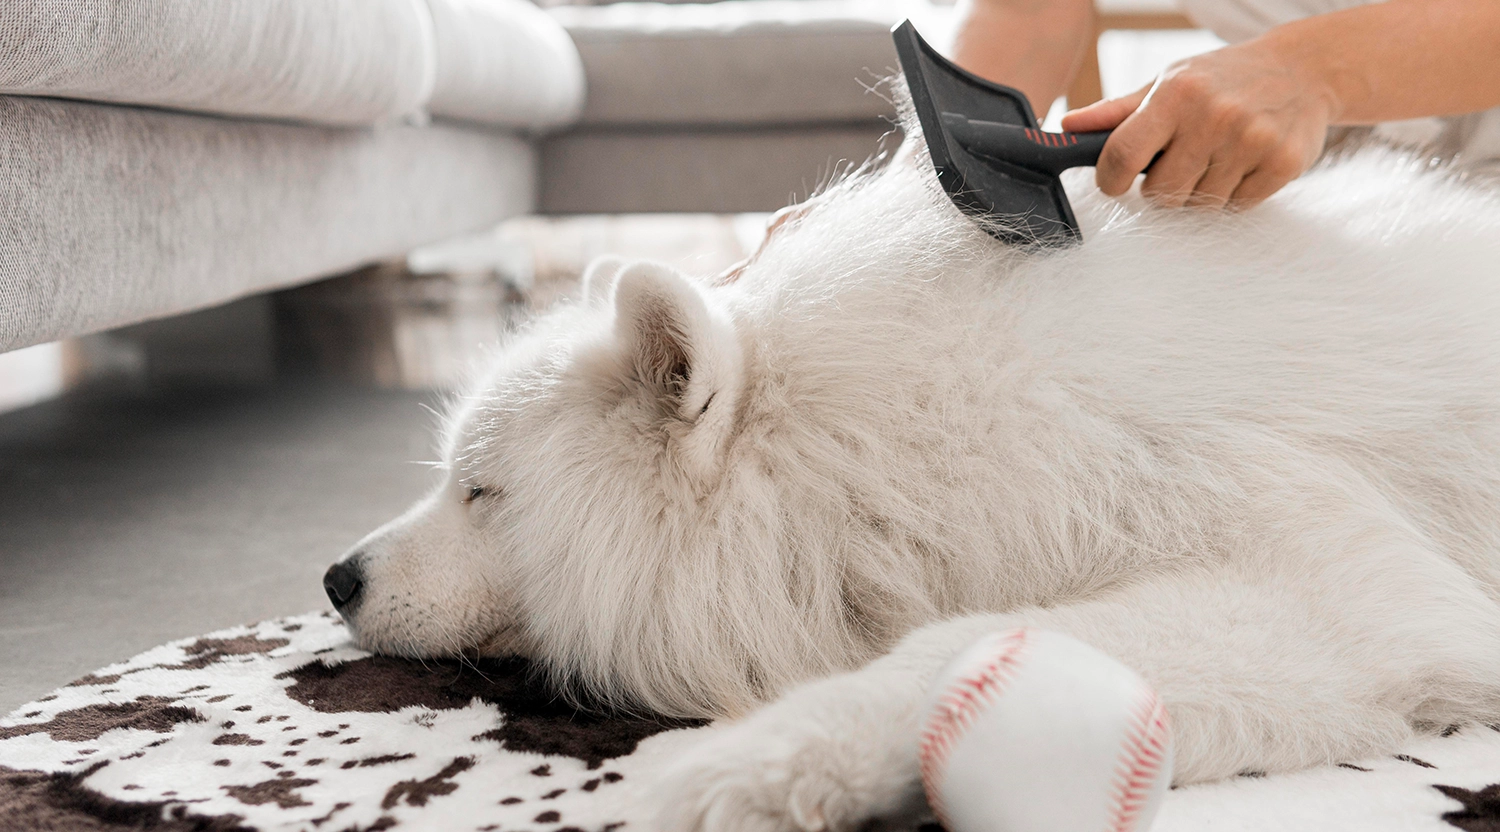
644	494
571	522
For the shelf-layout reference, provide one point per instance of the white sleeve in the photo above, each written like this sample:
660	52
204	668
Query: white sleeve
1241	20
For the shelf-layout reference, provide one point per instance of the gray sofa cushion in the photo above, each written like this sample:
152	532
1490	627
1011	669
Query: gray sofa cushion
743	105
721	171
332	61
504	62
737	62
110	215
348	62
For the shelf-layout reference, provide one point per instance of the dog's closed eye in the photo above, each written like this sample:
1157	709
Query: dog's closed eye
477	491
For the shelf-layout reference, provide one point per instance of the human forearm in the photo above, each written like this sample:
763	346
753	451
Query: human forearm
1236	124
1398	59
1032	45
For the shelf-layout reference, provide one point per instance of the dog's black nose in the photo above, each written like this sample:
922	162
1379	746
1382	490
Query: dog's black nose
343	582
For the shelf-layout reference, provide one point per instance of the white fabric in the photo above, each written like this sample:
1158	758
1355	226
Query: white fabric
330	61
504	62
1241	20
342	62
1474	139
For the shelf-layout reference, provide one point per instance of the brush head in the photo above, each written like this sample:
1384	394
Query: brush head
1015	204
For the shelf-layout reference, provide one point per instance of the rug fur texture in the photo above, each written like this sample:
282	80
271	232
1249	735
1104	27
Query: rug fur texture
285	725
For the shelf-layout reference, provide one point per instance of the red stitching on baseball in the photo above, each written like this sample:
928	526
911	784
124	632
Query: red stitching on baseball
1141	759
956	711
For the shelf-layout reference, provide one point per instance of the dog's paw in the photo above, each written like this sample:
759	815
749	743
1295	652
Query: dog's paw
801	765
749	783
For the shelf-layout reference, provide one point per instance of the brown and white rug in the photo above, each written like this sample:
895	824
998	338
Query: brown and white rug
284	725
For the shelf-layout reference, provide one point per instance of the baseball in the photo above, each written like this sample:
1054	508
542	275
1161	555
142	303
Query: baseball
1033	731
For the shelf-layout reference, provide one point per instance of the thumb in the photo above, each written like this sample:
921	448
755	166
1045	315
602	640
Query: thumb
1106	114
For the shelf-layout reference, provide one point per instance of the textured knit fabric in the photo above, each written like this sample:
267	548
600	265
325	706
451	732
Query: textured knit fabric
347	62
110	215
331	61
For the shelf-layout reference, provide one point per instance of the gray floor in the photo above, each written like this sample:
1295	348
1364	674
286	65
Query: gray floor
128	519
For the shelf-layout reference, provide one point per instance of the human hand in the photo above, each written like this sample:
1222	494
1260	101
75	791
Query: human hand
1233	125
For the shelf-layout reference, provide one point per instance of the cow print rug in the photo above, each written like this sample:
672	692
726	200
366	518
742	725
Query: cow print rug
285	725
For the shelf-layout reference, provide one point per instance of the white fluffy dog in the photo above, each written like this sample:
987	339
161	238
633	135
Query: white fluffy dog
1255	456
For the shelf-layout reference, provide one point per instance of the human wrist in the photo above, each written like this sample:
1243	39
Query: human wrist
1324	75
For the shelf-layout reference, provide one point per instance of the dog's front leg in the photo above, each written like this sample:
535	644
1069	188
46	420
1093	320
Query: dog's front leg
1258	673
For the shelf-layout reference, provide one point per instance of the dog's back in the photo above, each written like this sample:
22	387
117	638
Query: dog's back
1256	457
1168	390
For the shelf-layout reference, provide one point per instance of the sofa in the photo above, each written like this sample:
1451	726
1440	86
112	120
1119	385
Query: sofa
723	107
162	156
158	156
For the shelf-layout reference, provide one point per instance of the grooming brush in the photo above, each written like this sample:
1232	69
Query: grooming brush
992	157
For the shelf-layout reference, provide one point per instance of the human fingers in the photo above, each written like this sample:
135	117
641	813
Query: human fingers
1248	146
1173	179
1270	176
1104	115
1244	151
1133	145
1189	150
1211	150
1214	189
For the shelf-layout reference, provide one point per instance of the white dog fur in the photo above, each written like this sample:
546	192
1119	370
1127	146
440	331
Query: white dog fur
1255	456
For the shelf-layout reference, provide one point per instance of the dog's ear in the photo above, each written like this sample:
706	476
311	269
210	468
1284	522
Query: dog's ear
674	342
686	352
600	276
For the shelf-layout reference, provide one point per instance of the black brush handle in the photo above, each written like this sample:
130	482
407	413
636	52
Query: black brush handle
1038	150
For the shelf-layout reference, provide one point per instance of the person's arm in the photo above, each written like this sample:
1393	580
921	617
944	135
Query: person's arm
1035	46
1239	123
